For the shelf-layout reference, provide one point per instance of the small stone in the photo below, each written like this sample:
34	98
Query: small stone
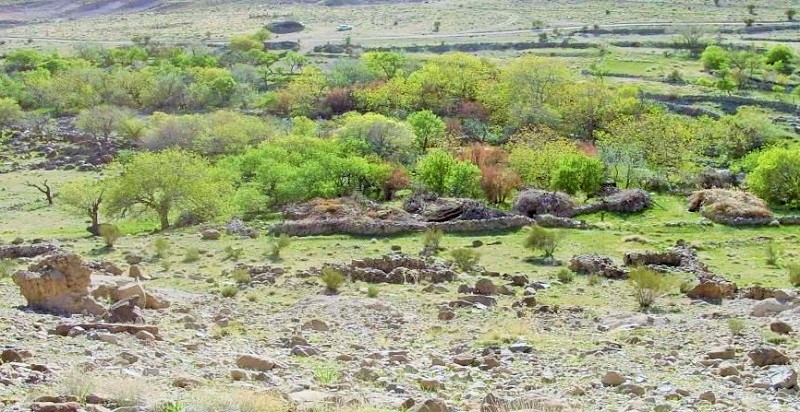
708	396
316	325
446	314
520	348
727	369
430	384
721	353
779	327
485	286
238	374
253	362
464	359
767	356
430	405
145	336
210	234
612	379
185	382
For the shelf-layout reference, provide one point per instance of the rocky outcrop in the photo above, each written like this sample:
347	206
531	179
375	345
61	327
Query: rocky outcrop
682	258
374	227
593	264
58	283
26	251
396	269
533	202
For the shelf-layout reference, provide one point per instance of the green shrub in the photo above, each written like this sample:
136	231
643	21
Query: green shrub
465	259
736	326
649	285
565	276
228	291
6	267
191	255
794	273
110	234
776	177
773	254
161	246
241	276
332	279
233	253
372	291
279	244
594	280
543	240
432	239
578	173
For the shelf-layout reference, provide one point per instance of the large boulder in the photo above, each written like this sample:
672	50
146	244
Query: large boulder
593	264
58	283
26	251
285	27
533	202
731	207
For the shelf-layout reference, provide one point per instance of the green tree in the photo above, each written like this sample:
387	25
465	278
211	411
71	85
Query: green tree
9	111
83	197
463	180
578	173
782	58
388	138
429	129
384	64
101	121
776	177
433	169
167	182
714	58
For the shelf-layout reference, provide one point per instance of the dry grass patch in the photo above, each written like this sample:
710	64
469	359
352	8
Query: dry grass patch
234	400
725	206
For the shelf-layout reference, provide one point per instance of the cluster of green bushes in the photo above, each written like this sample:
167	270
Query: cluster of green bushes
740	69
455	124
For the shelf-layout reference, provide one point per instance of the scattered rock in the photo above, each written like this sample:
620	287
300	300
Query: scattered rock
58	283
430	405
593	264
612	378
485	286
780	327
767	356
210	234
768	307
253	362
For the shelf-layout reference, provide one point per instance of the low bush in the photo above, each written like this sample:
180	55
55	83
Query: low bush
465	259
736	326
228	291
277	245
648	285
191	255
241	276
794	273
565	276
543	240
161	246
332	279
233	253
110	234
773	254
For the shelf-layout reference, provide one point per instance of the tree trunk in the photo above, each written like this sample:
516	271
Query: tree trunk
164	217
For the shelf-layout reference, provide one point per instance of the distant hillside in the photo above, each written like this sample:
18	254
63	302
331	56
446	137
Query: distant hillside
25	10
